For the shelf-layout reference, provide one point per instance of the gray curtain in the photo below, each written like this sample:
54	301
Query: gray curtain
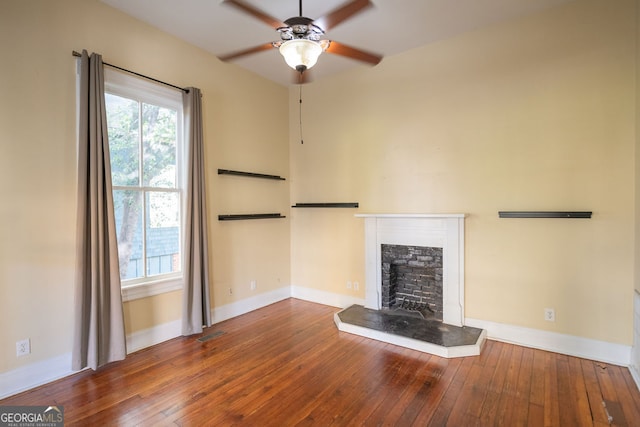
196	311
99	335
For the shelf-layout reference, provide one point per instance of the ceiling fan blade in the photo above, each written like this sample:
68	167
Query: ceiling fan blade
353	53
256	13
244	52
342	13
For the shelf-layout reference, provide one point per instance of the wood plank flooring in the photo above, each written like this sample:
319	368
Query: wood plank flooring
288	365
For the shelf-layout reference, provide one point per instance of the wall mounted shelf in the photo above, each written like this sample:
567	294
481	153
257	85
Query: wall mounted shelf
239	217
326	205
544	214
250	174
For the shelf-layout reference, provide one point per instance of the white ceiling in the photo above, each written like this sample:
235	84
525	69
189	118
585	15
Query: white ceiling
388	28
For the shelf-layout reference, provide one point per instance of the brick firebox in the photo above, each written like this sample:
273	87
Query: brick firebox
412	279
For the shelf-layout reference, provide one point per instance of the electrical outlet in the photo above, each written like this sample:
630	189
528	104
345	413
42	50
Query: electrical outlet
549	315
349	284
230	291
356	286
254	285
23	347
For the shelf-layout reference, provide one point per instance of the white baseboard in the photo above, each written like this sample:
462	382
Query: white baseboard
152	336
39	373
228	311
34	375
43	372
635	375
324	297
616	354
166	331
634	367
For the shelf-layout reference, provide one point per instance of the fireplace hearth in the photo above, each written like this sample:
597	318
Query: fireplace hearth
426	335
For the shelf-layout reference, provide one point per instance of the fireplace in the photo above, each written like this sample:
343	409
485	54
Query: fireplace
423	251
441	235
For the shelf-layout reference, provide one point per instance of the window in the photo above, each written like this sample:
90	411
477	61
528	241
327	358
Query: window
144	123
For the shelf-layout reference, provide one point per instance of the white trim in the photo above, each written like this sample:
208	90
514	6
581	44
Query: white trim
228	311
634	366
570	345
34	375
154	335
39	373
166	331
149	289
126	85
324	297
43	372
635	375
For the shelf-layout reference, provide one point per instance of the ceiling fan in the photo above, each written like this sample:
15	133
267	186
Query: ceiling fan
301	40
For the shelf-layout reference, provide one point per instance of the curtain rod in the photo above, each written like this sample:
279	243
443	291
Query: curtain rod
74	53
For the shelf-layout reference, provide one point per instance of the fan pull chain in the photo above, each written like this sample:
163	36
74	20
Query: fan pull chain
300	113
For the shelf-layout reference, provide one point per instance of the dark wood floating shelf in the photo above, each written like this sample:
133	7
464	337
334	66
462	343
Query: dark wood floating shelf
326	205
543	214
240	217
249	174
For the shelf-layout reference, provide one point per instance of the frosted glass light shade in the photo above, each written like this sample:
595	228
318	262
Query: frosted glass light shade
300	54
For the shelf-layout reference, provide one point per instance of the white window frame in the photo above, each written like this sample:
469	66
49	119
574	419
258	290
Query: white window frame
128	86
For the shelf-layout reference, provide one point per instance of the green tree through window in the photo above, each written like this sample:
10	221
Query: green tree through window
143	144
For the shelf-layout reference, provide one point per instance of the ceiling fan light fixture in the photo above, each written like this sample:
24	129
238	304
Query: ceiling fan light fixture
300	54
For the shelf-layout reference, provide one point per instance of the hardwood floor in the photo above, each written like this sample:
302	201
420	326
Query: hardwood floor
287	364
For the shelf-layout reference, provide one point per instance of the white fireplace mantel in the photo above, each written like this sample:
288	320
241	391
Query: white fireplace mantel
444	231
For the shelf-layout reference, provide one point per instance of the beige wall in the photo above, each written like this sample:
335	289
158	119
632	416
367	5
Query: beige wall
637	156
244	130
538	113
532	114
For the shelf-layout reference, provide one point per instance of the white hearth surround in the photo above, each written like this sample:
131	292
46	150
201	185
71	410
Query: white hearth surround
444	231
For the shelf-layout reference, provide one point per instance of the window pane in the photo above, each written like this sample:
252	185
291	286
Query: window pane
128	211
163	232
145	144
124	139
159	129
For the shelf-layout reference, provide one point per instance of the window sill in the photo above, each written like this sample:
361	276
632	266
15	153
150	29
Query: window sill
149	289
